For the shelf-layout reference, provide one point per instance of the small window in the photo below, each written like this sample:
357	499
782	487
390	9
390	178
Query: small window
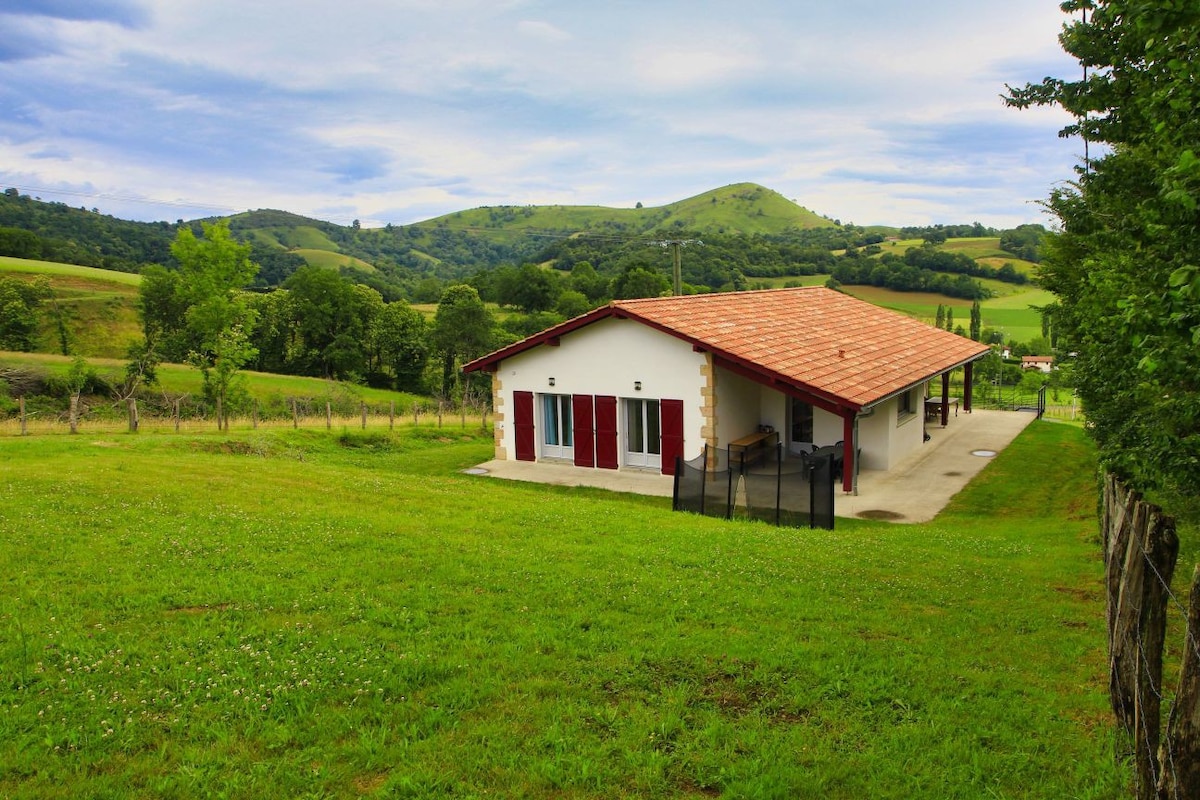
906	406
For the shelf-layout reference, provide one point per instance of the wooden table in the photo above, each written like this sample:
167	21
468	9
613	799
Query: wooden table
752	448
933	407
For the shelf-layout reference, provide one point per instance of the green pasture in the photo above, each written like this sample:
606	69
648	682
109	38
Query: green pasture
344	615
97	306
68	271
269	389
332	260
1010	313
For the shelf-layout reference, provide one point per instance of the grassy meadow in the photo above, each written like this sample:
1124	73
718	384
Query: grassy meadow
311	614
97	305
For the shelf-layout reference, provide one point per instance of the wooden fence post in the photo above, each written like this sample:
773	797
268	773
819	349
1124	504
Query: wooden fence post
1140	553
391	415
254	416
1181	767
73	413
220	425
416	413
21	406
131	403
364	416
441	409
328	416
295	416
177	415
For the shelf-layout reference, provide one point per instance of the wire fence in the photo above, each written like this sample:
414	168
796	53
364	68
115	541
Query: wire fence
298	413
1140	551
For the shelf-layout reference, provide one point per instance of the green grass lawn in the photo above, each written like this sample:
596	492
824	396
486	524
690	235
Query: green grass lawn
299	614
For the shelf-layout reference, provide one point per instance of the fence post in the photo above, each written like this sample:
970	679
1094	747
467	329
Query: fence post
220	415
364	416
441	408
177	415
133	414
1141	548
295	415
416	414
21	405
391	415
73	414
328	416
1181	778
254	416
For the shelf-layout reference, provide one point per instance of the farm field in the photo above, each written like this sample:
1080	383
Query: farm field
1010	313
303	614
97	305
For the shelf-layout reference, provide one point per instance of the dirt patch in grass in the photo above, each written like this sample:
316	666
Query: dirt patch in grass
879	514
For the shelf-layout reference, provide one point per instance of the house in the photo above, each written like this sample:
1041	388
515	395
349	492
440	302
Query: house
635	383
1043	363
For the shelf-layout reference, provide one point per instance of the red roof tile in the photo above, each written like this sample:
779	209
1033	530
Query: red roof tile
815	338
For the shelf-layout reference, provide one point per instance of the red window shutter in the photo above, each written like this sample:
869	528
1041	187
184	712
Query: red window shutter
523	425
585	440
671	414
606	432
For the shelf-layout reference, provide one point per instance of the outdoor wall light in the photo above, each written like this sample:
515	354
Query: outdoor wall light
552	381
637	386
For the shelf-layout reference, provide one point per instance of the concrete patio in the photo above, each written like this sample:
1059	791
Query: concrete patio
915	490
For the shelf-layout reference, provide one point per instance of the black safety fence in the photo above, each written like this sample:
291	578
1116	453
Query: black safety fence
767	484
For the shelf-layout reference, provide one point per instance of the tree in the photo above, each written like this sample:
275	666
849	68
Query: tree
218	319
976	320
462	329
330	318
637	282
19	302
528	287
1126	262
401	337
940	320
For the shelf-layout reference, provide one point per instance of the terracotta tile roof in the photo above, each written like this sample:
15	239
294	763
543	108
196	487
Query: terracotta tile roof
815	338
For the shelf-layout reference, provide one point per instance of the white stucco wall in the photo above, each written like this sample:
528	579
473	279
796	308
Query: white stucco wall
739	407
607	358
886	437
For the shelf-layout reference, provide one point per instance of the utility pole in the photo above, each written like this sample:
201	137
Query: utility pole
677	258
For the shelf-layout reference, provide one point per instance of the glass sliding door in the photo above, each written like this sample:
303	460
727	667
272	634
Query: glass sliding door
643	434
557	441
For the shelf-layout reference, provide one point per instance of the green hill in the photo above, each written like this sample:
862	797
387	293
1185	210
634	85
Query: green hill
96	307
740	208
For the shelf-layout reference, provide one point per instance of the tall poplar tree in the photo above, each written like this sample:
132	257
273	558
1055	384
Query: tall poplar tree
1126	264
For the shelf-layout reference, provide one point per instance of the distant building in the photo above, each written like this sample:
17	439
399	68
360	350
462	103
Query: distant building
1042	363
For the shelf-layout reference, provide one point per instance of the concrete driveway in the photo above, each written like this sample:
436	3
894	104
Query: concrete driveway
915	490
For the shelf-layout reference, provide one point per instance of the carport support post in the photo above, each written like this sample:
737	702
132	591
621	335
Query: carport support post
849	450
945	398
968	369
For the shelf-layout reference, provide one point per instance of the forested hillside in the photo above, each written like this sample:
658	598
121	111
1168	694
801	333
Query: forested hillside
736	234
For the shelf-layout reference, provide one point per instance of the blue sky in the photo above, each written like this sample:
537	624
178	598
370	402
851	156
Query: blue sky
867	111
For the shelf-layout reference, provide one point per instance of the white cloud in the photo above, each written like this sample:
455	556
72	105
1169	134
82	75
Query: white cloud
864	110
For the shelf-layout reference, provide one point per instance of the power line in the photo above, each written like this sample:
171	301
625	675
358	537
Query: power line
122	198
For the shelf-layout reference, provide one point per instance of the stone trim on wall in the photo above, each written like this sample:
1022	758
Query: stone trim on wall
498	416
708	405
